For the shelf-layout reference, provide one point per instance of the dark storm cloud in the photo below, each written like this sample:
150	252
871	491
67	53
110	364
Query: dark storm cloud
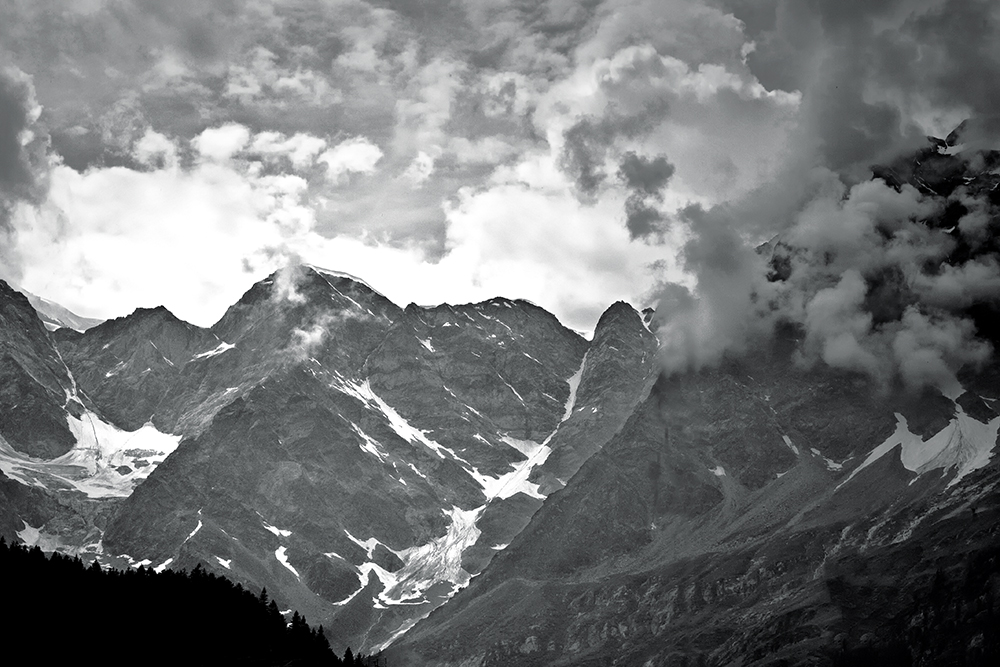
641	219
588	141
586	145
21	158
647	176
15	173
871	287
872	71
645	179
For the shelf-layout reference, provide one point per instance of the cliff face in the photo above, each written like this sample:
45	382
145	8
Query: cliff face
35	388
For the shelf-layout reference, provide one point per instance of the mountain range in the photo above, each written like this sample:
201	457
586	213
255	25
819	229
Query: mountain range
479	485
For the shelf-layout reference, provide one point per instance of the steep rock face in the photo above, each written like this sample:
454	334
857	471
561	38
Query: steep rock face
499	365
20	504
127	365
617	373
34	384
301	316
732	520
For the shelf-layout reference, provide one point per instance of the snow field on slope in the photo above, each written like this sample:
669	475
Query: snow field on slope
91	466
965	444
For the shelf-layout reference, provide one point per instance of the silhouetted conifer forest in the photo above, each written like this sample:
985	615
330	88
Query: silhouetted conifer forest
61	612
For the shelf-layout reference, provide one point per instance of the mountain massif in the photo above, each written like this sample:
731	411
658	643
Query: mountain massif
478	485
360	460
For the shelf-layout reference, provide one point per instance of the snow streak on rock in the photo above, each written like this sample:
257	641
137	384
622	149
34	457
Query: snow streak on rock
278	532
196	528
368	545
574	385
363	392
219	349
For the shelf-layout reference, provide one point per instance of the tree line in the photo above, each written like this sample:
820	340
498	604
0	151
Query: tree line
61	611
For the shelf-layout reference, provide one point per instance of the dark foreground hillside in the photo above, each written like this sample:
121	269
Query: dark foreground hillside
58	611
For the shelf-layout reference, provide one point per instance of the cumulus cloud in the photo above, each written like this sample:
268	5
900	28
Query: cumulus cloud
119	236
420	169
301	149
221	143
355	155
155	150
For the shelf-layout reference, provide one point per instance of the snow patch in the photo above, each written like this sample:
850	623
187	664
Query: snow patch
427	343
116	369
414	469
226	562
511	387
283	559
278	532
718	471
830	464
790	444
163	566
29	535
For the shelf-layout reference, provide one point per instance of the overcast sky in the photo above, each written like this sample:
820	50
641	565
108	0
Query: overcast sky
561	151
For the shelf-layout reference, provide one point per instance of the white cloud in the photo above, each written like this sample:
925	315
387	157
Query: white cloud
483	145
300	148
221	143
420	169
154	146
258	79
109	240
356	155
